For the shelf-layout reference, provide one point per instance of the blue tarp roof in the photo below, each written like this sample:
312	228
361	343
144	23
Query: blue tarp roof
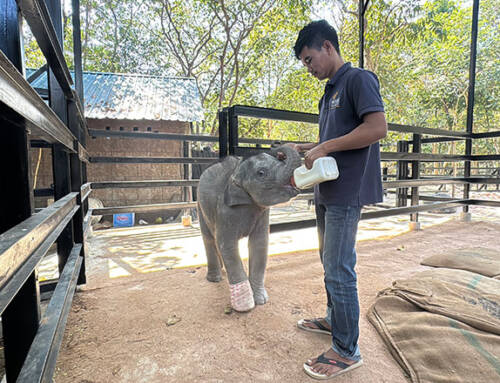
136	97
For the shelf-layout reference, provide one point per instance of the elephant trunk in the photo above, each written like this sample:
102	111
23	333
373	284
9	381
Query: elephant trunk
291	159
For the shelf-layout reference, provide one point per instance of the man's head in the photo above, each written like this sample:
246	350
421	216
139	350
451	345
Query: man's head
317	46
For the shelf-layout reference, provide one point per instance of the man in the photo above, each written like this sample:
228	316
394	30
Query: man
351	122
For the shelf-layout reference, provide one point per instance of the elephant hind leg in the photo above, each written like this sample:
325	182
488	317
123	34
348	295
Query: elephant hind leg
214	263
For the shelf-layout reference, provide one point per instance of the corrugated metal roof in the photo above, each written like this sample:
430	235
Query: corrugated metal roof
136	97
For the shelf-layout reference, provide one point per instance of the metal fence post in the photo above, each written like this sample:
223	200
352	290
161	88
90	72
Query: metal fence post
415	174
223	134
470	96
232	120
402	174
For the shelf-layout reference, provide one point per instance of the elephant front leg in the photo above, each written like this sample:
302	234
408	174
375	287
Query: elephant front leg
240	289
258	248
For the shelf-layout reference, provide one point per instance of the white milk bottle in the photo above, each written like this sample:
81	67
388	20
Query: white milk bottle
323	169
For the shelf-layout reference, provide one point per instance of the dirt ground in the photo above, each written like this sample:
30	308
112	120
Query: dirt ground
171	325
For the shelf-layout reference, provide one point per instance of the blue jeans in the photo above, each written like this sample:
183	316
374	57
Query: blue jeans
337	227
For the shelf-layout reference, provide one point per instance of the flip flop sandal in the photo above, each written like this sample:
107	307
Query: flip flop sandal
332	362
320	328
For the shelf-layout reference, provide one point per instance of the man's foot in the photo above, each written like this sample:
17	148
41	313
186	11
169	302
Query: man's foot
318	325
329	364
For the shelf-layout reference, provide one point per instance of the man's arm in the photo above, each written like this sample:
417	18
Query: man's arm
372	129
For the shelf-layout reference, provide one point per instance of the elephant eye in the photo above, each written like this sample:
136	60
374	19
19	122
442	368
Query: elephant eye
262	172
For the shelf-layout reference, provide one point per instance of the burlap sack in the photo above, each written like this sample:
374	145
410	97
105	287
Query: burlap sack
467	297
433	348
479	260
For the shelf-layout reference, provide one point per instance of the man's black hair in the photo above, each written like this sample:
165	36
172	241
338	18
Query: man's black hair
314	34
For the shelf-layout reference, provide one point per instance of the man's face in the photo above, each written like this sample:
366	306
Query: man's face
318	62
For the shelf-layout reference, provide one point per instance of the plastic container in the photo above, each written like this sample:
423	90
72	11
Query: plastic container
323	169
123	220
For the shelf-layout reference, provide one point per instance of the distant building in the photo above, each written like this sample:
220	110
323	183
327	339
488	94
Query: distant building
130	103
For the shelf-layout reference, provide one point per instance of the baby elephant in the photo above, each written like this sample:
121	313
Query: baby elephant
234	197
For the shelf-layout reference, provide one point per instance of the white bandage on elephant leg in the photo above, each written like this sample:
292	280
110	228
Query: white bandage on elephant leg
242	296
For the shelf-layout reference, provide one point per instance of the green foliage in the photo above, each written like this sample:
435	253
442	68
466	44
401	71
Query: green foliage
240	52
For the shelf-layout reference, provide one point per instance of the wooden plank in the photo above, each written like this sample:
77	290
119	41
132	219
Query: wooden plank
17	94
10	289
17	244
85	191
83	155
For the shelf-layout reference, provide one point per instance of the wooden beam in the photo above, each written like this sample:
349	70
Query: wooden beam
17	94
18	243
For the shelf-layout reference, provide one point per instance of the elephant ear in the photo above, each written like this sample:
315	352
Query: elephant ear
235	195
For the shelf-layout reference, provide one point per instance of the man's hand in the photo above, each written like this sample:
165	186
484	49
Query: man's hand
311	155
301	147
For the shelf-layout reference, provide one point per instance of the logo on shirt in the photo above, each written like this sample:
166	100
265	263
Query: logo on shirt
335	101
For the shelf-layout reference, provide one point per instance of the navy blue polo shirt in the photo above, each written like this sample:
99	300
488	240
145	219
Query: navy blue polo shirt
349	95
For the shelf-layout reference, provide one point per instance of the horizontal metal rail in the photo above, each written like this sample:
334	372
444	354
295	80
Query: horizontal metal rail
180	137
41	359
17	94
142	184
486	135
152	136
144	208
482	202
439	181
427	157
294	225
411	209
274	114
153	160
436	139
18	243
10	289
429	131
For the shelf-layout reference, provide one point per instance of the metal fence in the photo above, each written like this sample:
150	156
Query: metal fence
408	178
